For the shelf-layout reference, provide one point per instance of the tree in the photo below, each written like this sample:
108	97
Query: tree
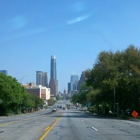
14	98
81	96
51	101
10	93
119	71
37	101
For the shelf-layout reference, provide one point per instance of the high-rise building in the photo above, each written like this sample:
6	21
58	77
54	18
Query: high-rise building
82	80
53	67
4	72
52	86
45	79
69	88
73	82
42	78
53	78
38	77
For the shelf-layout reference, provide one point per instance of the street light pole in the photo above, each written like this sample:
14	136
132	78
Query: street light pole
21	84
22	78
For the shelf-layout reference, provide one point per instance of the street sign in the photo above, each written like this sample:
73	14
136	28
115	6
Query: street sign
134	114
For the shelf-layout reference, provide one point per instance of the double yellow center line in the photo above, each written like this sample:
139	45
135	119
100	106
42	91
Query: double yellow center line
47	129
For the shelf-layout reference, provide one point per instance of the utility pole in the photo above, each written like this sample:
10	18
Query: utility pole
114	100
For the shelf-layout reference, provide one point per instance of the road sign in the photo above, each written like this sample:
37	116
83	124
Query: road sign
134	114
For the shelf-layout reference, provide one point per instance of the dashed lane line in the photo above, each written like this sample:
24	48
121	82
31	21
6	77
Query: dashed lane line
94	128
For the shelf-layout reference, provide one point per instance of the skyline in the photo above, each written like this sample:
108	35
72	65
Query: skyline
76	31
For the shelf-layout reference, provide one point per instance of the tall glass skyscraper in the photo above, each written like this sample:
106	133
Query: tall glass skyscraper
53	77
53	67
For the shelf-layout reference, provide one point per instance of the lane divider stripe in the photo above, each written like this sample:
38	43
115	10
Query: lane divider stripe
94	128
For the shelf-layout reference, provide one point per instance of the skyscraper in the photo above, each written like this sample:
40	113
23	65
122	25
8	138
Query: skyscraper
53	67
45	79
53	78
82	80
38	77
42	78
69	89
73	82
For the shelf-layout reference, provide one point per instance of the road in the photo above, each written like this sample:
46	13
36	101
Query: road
66	125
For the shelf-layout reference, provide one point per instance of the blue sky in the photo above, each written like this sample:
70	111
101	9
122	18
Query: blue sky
76	31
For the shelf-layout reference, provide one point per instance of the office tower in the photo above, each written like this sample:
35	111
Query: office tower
73	82
4	72
82	80
53	67
75	85
69	89
38	77
45	79
53	78
42	78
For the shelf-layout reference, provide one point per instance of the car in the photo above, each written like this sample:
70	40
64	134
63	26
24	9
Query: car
54	109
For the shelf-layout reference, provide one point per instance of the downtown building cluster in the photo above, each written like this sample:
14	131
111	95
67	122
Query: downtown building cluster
42	78
75	83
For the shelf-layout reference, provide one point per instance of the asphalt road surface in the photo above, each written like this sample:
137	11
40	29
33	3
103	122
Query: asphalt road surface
66	125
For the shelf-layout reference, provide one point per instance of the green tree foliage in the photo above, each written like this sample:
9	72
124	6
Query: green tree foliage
119	71
94	97
10	93
58	98
14	98
51	101
81	96
37	101
75	98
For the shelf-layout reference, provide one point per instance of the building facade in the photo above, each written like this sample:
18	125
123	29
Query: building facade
53	84
53	68
28	85
42	78
40	91
81	81
73	82
69	88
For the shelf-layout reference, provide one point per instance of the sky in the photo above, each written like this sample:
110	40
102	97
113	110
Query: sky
75	31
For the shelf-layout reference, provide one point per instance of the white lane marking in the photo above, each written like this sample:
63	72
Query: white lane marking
94	128
133	122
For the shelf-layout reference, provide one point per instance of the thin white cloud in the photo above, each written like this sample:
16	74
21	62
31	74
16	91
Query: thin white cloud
78	19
